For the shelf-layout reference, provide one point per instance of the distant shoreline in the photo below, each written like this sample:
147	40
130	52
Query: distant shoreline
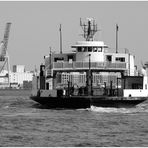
15	92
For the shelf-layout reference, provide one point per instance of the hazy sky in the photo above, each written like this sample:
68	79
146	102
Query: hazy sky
35	27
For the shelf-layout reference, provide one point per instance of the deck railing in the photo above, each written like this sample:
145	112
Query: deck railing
85	65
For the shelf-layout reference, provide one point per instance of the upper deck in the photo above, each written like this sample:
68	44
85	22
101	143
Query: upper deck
84	66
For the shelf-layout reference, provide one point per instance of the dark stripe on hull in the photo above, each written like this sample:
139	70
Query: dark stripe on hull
116	103
63	102
86	102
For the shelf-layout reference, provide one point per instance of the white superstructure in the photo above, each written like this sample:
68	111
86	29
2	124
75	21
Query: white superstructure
90	54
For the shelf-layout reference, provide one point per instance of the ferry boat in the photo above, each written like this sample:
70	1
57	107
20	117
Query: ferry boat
89	76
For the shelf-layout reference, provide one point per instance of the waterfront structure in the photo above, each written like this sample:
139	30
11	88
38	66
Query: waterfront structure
18	68
19	75
19	78
4	79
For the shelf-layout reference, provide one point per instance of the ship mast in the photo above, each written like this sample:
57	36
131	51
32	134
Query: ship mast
117	28
89	78
60	29
89	28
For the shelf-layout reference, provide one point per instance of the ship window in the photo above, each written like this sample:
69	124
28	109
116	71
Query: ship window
89	49
95	49
85	49
109	58
120	59
136	86
70	58
79	49
99	49
82	49
58	59
145	86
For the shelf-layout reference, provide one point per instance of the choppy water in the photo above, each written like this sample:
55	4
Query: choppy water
24	123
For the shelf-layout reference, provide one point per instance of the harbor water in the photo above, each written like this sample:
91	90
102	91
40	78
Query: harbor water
23	122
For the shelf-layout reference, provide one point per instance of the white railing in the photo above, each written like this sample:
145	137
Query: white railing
85	65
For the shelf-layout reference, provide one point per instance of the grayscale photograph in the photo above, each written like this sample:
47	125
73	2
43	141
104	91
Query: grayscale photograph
73	73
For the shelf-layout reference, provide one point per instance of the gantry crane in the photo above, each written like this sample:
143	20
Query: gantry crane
4	57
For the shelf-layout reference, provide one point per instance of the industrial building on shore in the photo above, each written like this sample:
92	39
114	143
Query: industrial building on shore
19	78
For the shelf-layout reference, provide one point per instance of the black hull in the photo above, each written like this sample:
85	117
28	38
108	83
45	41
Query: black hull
77	102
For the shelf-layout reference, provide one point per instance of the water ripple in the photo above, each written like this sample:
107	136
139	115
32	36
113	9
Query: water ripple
24	123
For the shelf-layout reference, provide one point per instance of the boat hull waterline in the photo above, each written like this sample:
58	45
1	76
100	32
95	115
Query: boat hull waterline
78	102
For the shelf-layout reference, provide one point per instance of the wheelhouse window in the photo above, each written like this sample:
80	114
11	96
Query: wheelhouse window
79	49
85	49
89	49
95	49
120	59
100	49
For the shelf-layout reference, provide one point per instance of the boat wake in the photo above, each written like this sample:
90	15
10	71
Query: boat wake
138	109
